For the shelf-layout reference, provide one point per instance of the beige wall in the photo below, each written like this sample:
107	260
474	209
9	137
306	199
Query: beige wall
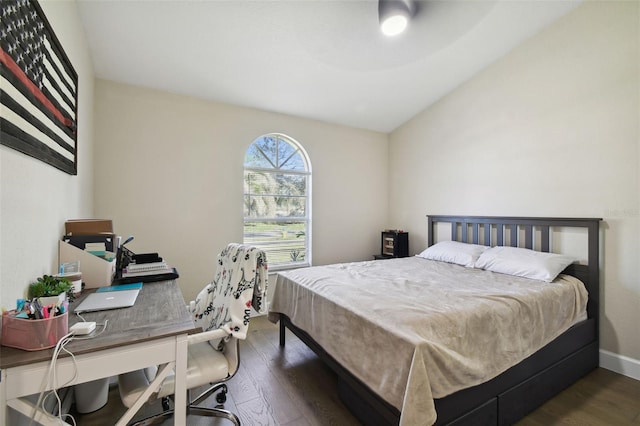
35	198
169	171
551	129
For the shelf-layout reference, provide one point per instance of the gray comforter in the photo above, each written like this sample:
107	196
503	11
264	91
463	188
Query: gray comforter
414	329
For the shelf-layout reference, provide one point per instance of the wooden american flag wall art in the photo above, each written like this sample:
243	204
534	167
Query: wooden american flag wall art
39	88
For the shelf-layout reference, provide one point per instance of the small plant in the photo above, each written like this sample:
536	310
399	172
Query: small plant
48	285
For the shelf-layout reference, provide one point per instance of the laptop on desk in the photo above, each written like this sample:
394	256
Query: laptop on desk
101	301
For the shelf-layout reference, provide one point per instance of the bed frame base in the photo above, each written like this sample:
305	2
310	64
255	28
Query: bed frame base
500	401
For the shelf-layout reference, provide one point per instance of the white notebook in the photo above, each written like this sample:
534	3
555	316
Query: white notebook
108	300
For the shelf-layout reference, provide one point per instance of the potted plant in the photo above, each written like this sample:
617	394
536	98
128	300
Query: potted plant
50	289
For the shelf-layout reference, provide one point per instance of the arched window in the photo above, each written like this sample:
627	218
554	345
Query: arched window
277	200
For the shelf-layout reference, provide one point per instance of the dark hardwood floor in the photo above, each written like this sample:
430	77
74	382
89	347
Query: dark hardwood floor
291	387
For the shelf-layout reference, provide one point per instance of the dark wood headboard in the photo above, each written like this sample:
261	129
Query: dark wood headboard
499	231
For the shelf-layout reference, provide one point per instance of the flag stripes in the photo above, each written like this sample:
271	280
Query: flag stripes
38	89
58	93
56	65
20	80
38	120
16	138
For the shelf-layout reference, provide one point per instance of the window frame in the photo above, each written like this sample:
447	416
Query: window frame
306	219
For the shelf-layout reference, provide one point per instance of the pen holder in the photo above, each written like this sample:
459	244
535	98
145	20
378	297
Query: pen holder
33	335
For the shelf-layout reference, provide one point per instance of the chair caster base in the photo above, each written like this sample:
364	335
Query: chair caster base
165	404
221	398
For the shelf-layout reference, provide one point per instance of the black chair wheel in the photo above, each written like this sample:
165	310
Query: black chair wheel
165	404
221	397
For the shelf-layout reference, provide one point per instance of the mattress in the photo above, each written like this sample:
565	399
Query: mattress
413	329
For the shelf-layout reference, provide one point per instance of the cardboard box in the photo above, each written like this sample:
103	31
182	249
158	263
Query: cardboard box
88	227
96	271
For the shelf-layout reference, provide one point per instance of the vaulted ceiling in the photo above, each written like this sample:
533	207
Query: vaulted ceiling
325	60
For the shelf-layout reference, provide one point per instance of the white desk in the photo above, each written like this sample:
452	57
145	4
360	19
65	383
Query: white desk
152	332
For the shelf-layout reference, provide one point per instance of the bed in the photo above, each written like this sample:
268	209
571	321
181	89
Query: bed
423	341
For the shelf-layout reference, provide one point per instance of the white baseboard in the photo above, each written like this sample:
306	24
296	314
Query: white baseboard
620	364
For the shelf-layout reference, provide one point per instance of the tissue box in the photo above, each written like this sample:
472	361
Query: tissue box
33	335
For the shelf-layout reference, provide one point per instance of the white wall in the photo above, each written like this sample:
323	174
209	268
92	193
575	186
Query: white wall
169	170
551	129
35	198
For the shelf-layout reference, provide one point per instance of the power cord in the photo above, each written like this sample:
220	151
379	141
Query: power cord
55	387
51	378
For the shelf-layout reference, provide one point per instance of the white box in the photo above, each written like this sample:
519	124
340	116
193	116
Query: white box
96	271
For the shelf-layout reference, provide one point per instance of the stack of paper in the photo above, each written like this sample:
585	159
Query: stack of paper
139	270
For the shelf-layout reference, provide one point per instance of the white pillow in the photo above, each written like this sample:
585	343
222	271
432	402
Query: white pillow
454	252
523	262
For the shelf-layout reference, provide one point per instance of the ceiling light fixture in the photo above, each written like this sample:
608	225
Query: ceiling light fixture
394	15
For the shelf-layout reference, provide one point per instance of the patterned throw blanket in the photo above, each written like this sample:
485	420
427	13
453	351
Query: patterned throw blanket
240	283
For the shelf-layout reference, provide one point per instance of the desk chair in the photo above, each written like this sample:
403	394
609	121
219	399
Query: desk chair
222	310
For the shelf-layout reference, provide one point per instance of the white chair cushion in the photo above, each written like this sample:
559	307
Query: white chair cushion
204	365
